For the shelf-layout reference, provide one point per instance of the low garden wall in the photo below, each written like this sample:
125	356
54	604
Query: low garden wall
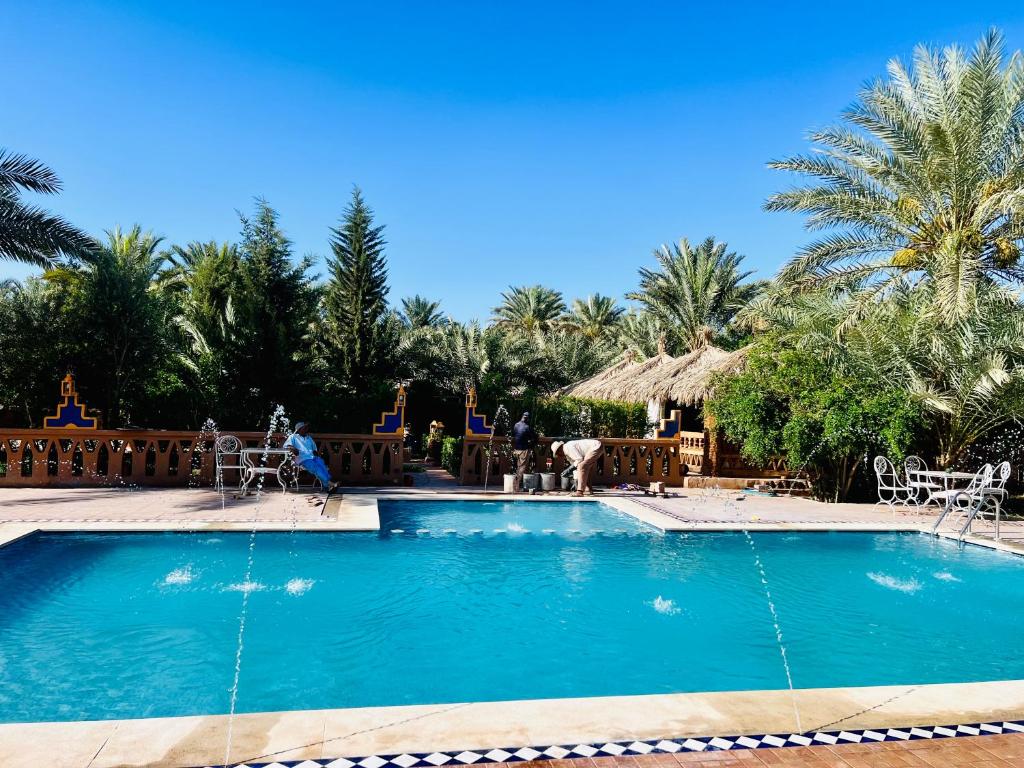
36	457
624	461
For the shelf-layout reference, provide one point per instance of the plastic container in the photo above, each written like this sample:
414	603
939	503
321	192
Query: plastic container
510	483
547	481
531	481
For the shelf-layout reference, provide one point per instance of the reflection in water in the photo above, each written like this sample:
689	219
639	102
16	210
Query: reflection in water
576	563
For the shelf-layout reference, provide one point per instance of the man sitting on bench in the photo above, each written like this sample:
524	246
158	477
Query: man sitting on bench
305	456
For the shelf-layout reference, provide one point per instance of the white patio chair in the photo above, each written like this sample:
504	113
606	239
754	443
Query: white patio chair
999	477
227	452
291	473
997	492
891	490
966	502
914	466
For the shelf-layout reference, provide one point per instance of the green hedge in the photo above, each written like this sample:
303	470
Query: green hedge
580	417
451	455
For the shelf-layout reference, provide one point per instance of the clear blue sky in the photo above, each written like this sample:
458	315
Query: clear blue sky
501	143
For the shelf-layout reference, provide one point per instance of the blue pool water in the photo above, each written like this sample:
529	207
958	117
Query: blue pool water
142	625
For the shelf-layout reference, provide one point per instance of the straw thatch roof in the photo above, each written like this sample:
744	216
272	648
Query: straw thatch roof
686	379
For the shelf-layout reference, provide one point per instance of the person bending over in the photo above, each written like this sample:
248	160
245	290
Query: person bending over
582	454
305	456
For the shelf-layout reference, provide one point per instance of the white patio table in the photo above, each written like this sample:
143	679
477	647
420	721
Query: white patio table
948	479
253	461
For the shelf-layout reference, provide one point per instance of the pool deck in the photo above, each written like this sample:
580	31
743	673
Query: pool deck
171	507
23	510
327	734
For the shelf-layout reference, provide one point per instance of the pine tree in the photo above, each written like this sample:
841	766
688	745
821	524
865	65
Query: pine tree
355	298
275	307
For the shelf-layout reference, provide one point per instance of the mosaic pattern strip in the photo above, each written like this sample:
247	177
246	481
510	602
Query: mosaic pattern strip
634	748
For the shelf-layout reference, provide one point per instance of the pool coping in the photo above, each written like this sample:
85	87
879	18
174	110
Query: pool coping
440	733
512	731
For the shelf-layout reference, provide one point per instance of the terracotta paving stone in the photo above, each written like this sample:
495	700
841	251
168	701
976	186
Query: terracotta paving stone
1003	751
1005	746
660	761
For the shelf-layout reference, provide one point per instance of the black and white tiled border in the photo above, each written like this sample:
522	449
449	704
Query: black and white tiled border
634	748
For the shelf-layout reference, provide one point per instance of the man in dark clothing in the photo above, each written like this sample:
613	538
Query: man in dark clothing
523	441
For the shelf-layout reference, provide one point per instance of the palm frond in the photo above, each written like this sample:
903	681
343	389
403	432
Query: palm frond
21	171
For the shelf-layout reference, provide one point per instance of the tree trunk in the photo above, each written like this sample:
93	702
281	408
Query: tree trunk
849	478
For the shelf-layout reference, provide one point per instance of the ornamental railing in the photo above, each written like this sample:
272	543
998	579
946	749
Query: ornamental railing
691	446
623	461
732	464
35	457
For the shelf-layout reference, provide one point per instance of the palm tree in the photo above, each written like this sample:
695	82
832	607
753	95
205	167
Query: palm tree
641	334
201	280
455	357
418	312
27	233
116	292
923	182
968	376
697	290
570	357
529	310
594	319
205	273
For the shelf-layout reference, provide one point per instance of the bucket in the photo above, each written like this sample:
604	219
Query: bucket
567	482
531	481
510	483
547	481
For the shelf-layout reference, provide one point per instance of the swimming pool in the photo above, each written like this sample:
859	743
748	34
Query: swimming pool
472	601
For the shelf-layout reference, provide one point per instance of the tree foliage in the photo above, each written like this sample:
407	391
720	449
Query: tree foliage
595	318
28	233
355	297
270	362
121	320
791	402
530	311
695	291
581	417
912	289
36	333
418	312
921	183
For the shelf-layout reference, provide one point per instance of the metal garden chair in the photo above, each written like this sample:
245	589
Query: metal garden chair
913	466
997	492
227	451
891	490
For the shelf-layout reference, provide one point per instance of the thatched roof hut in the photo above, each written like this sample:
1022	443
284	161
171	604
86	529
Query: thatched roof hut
687	379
